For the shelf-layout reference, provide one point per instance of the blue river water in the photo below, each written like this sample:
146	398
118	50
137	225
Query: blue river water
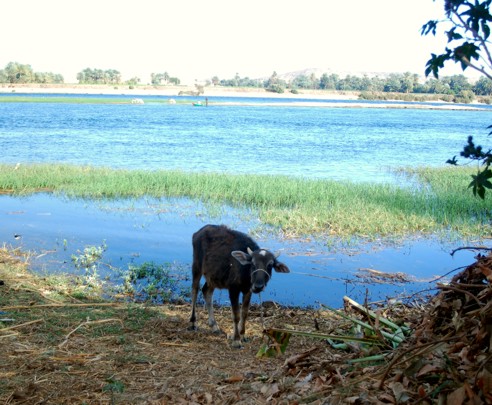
358	144
262	137
159	231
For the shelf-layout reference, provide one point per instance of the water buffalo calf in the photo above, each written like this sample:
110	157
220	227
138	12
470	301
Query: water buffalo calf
230	260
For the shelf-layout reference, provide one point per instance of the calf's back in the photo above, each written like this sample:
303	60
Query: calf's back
212	248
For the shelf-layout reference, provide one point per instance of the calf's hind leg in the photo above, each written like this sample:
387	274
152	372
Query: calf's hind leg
197	274
208	293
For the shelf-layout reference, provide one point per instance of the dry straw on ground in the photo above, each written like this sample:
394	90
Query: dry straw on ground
57	350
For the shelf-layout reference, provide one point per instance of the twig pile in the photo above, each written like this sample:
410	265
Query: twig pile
450	358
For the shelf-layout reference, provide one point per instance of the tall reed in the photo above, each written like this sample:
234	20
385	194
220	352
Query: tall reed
83	100
436	201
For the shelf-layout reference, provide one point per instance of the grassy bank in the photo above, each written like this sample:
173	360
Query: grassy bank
90	351
85	99
441	203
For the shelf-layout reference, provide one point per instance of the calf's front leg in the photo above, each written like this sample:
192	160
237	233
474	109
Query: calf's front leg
236	338
244	313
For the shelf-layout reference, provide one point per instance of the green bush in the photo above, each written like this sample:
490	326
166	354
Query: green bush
276	88
464	96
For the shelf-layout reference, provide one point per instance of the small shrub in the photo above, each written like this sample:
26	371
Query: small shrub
151	281
464	96
89	261
276	88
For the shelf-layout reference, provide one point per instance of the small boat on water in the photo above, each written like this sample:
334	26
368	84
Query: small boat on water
198	104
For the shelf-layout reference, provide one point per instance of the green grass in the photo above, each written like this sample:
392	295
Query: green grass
441	201
86	99
31	292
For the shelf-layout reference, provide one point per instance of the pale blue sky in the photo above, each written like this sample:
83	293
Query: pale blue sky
197	39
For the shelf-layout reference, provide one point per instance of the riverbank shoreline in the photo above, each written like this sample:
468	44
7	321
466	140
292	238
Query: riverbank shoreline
305	98
172	91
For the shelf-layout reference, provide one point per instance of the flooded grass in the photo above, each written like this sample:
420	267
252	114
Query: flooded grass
440	203
84	100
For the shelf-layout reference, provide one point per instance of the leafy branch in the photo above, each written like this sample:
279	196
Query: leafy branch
467	31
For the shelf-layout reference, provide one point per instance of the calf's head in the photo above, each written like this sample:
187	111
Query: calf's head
261	262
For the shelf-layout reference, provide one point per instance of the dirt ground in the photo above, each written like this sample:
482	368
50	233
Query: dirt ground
56	349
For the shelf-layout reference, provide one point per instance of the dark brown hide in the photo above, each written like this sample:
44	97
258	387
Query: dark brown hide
230	260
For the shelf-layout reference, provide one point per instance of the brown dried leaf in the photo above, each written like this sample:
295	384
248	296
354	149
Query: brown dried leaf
399	392
457	397
484	382
386	398
422	392
428	368
208	397
270	389
487	272
234	379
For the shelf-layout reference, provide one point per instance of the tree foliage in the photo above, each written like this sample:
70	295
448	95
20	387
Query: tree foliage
407	82
466	27
99	76
18	73
275	84
159	78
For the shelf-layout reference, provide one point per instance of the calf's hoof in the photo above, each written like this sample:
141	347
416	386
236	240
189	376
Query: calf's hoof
193	328
236	344
216	330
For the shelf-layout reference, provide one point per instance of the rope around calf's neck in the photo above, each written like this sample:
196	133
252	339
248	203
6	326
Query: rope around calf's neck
254	271
261	312
259	295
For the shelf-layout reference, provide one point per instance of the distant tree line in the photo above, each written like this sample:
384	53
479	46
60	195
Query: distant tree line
99	76
158	79
18	73
457	85
111	76
15	72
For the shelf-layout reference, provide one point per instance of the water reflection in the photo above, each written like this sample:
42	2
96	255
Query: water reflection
151	230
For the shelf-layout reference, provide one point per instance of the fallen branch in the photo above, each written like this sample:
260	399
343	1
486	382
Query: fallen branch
422	346
324	336
376	357
293	360
369	313
88	323
456	289
174	344
470	248
34	290
98	304
21	325
391	336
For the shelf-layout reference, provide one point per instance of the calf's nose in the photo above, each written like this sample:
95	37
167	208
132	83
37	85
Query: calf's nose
258	287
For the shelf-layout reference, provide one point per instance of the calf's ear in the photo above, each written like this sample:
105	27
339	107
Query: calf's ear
241	257
281	268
